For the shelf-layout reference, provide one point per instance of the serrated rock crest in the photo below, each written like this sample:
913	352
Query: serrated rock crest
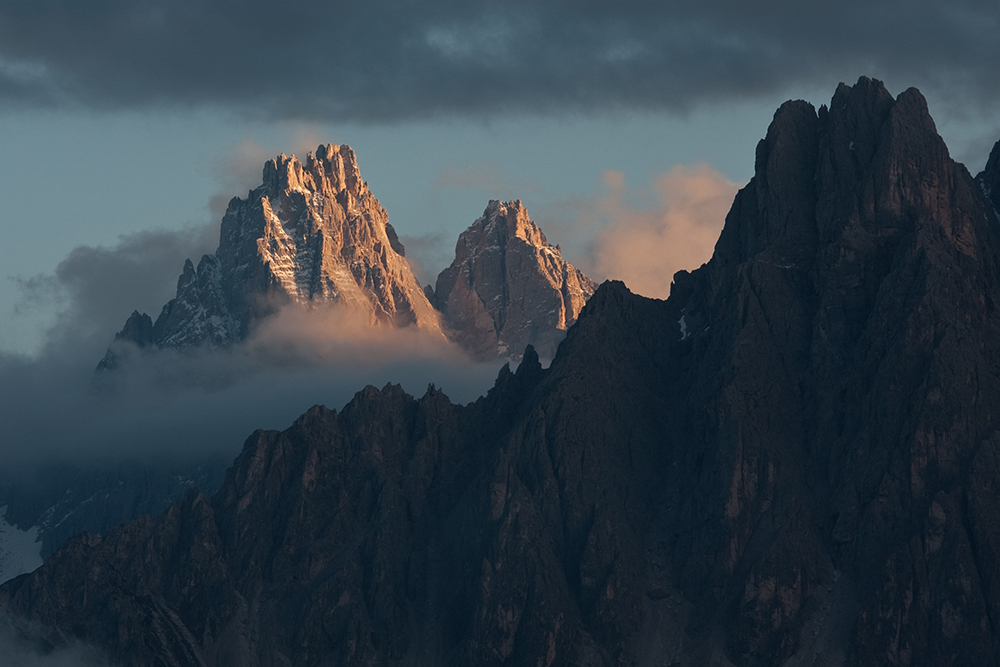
311	233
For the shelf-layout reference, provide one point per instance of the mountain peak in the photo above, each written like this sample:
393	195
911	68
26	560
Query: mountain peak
792	460
331	170
511	219
311	233
500	222
809	159
508	286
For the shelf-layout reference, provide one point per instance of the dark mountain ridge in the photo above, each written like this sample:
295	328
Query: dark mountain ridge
792	460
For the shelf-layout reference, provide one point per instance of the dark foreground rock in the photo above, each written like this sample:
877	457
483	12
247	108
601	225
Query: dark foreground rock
793	460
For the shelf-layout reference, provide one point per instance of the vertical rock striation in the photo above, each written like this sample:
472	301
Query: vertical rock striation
845	385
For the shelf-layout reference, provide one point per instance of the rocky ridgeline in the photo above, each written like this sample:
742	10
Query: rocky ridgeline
313	233
791	461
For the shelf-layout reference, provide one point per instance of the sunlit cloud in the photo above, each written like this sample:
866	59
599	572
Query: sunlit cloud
333	334
644	246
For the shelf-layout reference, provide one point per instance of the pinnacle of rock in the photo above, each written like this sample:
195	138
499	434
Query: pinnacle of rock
509	287
311	233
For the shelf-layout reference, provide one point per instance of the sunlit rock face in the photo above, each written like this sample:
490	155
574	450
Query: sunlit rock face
509	287
314	232
311	233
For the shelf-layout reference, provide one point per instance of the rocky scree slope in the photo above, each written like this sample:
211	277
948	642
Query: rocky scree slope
793	460
508	287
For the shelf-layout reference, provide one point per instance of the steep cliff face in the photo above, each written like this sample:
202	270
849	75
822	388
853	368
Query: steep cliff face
508	287
397	531
312	233
845	382
989	178
792	460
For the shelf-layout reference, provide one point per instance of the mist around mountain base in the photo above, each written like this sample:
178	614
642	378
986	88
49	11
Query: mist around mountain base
186	403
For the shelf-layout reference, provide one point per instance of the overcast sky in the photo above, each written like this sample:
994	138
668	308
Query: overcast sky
625	127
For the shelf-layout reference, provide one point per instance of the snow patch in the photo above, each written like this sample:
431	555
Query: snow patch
684	327
20	550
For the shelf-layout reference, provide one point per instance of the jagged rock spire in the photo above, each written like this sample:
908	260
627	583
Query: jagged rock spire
311	233
509	287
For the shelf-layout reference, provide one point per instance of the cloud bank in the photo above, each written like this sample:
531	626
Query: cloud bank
188	404
399	59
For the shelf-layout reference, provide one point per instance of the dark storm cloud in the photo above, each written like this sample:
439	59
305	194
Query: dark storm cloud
399	59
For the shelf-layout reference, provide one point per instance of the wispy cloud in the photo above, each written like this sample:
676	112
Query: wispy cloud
488	179
643	235
237	172
428	254
19	651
